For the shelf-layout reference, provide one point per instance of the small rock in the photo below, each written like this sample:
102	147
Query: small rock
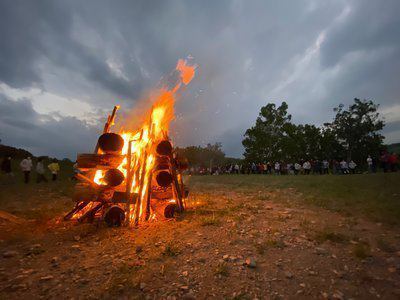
142	286
18	287
288	275
9	254
185	273
324	295
338	295
83	281
188	296
27	271
225	257
184	287
320	251
303	285
312	273
250	263
76	247
77	238
46	278
54	260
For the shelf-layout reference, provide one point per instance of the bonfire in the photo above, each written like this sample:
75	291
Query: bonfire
134	175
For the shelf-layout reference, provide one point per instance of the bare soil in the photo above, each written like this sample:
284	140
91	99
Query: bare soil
260	244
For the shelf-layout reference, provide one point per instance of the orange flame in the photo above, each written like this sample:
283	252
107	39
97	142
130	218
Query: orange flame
144	139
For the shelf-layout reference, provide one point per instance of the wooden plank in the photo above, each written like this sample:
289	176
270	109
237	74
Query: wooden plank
99	161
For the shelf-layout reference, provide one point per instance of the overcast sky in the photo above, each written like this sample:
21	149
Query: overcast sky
64	64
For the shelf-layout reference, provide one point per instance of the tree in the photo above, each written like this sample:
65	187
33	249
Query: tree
203	156
267	138
357	129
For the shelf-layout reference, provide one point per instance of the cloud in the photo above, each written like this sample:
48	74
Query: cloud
312	54
23	127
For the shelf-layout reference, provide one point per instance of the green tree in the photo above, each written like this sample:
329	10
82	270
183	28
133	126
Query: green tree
267	139
212	154
357	129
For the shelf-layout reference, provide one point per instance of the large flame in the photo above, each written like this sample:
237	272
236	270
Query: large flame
144	138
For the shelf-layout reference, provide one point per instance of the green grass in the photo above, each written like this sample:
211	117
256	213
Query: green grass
37	201
376	196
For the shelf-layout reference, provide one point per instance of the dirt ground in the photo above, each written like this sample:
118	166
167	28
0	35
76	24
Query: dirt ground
229	244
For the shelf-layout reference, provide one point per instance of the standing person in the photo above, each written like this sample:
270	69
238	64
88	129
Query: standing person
269	168
297	168
385	161
54	167
307	167
6	165
352	167
344	167
277	168
325	166
40	171
393	161
370	164
26	167
265	168
7	169
237	168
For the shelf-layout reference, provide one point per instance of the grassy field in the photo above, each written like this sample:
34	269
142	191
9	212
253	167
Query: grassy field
376	196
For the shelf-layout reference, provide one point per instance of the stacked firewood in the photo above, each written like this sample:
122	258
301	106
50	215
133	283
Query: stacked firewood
113	200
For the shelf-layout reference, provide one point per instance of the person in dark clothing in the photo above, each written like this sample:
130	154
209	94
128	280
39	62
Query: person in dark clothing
6	165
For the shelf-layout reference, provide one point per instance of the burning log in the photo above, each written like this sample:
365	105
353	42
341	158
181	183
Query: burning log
99	161
164	148
113	177
164	178
134	175
111	143
114	216
84	191
164	209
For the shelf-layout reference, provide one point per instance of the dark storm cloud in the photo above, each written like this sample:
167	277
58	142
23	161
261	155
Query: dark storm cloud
63	137
309	53
32	31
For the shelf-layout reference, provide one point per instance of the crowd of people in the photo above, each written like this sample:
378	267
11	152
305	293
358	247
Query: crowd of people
388	162
26	166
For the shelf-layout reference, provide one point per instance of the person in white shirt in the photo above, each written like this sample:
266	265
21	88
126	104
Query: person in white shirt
307	167
370	164
325	166
344	167
277	168
40	171
237	168
352	167
26	167
297	168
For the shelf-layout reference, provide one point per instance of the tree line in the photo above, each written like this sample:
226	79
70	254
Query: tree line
353	134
